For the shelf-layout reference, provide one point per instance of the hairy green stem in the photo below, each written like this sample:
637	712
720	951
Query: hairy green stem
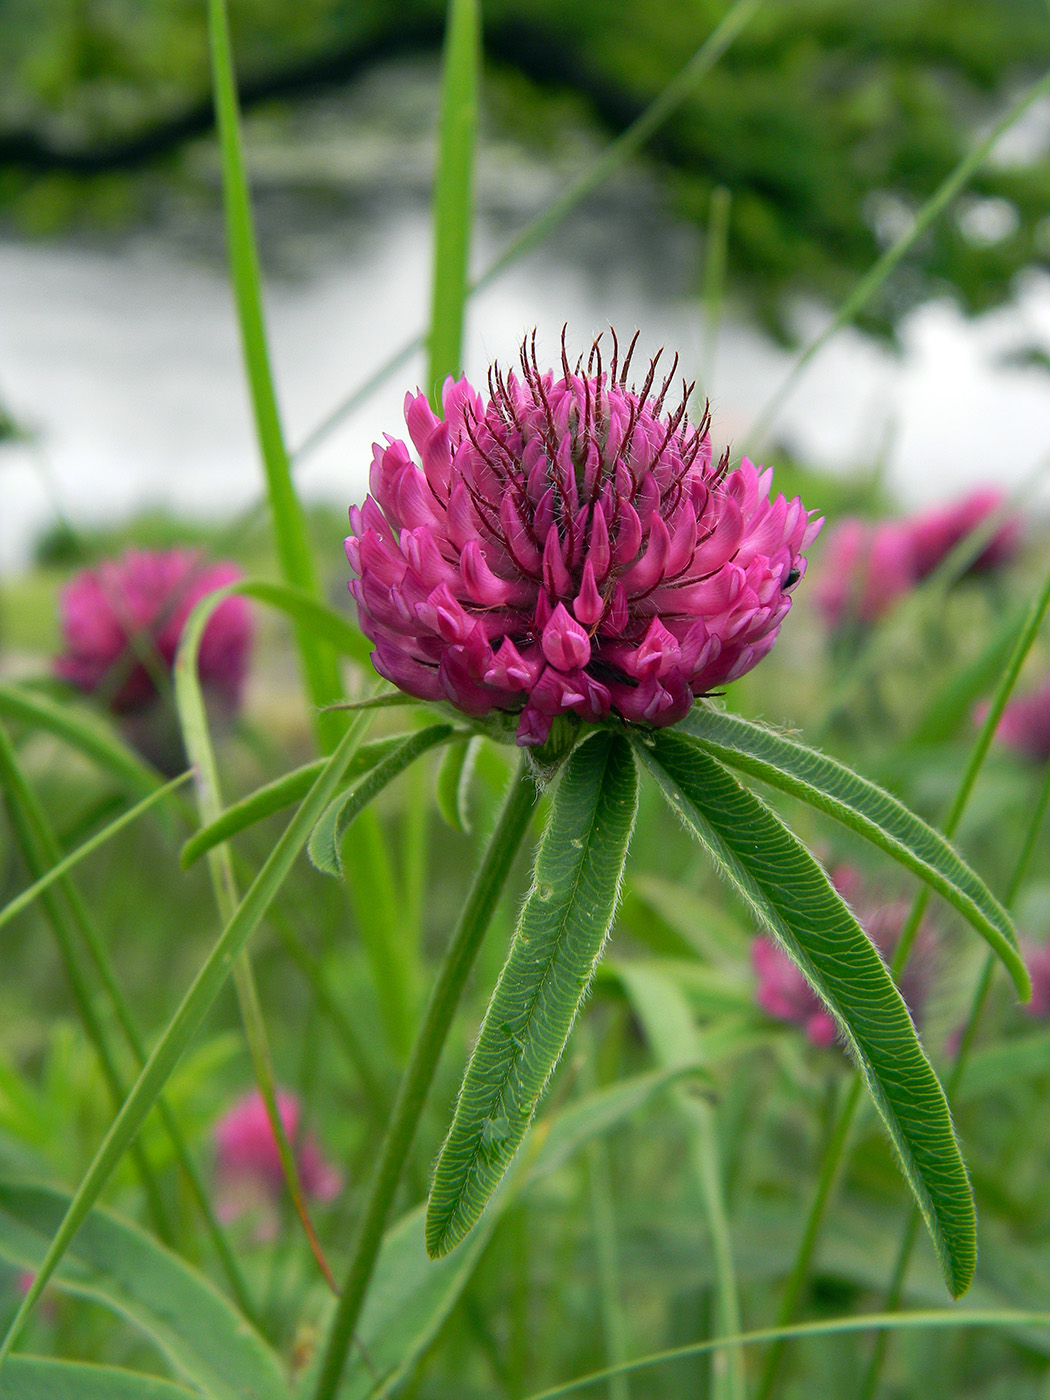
415	1083
837	1144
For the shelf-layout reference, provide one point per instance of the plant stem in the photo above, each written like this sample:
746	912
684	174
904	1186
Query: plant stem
419	1072
319	665
837	1144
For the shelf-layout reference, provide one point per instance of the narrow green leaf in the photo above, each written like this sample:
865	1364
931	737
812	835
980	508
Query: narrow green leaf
452	786
37	1378
319	666
671	1030
82	731
454	190
950	1319
114	1263
868	810
608	161
953	704
313	616
326	839
27	896
187	1019
411	1294
559	938
273	797
792	896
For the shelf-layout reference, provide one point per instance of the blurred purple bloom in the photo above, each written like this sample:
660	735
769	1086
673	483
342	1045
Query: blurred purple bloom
136	606
1025	723
865	568
567	547
783	991
248	1164
1037	959
936	532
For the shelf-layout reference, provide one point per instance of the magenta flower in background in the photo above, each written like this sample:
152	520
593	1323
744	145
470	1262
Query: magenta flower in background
935	532
1025	723
1037	958
147	595
248	1164
864	570
783	992
569	547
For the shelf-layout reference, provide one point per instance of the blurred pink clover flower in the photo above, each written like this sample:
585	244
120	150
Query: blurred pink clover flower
122	620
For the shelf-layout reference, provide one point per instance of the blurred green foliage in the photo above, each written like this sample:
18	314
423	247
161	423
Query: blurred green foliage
828	121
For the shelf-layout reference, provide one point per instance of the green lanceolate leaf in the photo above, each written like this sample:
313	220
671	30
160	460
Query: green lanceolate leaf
411	1294
273	797
327	836
790	893
865	808
114	1263
37	1378
563	926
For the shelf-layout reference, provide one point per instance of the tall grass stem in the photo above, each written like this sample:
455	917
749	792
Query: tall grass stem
485	890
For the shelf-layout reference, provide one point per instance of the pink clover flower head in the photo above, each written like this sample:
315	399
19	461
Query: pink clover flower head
568	547
865	569
935	532
121	624
247	1159
784	993
1025	723
1037	959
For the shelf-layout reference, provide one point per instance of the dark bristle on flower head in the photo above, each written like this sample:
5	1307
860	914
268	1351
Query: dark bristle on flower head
569	547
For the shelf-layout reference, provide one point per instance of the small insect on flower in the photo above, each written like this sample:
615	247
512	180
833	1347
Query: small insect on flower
569	547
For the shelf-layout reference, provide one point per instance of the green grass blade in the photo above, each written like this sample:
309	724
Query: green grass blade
865	808
37	1378
70	916
592	177
947	1318
712	293
312	616
454	192
412	1294
446	989
35	890
326	840
452	785
289	523
670	1028
84	732
559	938
273	797
114	1263
790	894
953	704
36	841
186	1021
